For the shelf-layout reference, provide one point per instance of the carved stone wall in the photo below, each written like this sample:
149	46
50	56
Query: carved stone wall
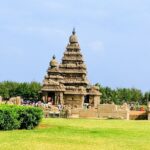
113	111
69	78
74	100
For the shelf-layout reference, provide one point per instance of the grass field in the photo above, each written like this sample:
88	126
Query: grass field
79	134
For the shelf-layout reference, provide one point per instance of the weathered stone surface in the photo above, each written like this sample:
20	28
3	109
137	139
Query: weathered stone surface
69	79
15	100
113	111
138	115
89	113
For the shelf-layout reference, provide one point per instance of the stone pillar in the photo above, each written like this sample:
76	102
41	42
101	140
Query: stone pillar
128	114
56	98
91	100
96	101
82	101
61	98
46	97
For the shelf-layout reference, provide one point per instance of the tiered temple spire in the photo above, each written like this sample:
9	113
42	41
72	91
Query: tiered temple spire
67	82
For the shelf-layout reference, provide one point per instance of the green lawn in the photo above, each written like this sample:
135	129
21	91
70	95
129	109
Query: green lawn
79	134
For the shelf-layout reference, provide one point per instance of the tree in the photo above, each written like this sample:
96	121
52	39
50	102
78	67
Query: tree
146	98
121	95
34	88
28	91
4	92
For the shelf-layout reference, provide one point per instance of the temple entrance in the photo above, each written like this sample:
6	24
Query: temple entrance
51	98
87	99
86	102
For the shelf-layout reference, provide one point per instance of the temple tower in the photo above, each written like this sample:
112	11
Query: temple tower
67	83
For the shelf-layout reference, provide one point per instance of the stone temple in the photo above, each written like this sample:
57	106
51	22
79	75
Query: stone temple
66	83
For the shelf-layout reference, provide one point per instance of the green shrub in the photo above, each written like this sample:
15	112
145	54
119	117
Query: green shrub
8	118
30	117
19	117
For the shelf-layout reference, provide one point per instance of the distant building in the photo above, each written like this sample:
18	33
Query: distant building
66	83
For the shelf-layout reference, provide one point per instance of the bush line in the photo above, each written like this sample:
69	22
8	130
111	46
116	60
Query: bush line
19	117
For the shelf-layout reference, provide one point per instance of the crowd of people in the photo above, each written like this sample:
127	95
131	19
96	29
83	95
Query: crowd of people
41	104
50	109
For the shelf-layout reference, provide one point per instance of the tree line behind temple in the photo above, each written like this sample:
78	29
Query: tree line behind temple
28	91
31	91
123	95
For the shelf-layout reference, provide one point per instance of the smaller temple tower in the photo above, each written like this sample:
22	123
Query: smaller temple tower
66	83
53	84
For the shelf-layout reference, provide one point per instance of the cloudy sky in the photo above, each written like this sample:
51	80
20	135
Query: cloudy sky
114	36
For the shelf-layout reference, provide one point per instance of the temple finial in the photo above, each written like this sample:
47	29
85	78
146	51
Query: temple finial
54	56
74	31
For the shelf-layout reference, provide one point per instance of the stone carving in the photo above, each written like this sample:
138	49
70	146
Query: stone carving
113	111
15	100
53	62
69	78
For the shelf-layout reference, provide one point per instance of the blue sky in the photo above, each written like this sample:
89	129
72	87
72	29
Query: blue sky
114	36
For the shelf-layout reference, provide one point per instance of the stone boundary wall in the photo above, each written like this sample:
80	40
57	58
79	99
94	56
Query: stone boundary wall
104	111
138	115
113	111
88	113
